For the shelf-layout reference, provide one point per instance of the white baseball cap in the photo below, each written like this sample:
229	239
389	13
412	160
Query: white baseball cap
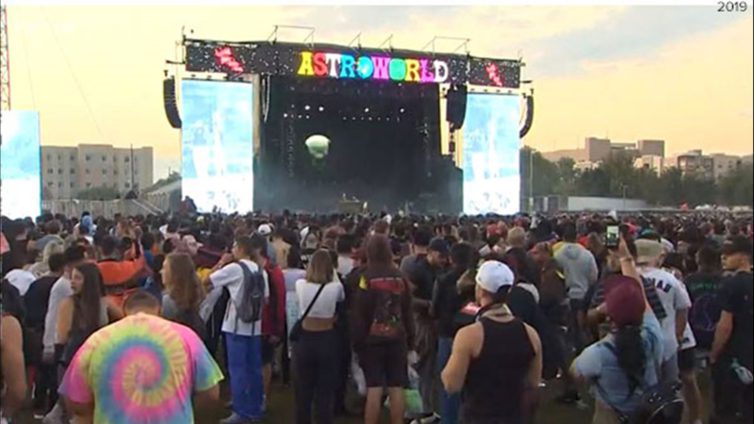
494	275
264	230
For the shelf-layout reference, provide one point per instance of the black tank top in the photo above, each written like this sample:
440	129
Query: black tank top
496	379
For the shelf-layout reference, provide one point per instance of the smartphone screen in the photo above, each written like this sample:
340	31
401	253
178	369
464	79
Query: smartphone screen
613	236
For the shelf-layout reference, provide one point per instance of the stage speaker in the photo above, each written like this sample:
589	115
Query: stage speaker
456	106
171	108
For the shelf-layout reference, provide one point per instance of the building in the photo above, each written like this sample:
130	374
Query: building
597	149
725	164
651	147
653	163
66	171
697	164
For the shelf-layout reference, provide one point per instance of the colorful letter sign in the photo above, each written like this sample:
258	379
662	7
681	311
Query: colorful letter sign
336	65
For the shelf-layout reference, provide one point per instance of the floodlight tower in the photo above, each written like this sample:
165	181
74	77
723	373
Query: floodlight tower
4	61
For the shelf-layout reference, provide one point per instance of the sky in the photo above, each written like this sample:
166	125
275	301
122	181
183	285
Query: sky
679	73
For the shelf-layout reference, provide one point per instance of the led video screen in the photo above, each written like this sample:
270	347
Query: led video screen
217	145
20	157
491	180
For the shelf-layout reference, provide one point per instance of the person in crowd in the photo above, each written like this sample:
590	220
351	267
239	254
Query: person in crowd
84	312
119	375
314	362
422	276
703	287
675	300
36	301
52	231
294	272
41	267
79	315
497	362
419	245
12	368
344	248
446	303
382	330
280	247
622	365
184	293
580	270
243	340
273	318
121	266
674	264
19	277
732	354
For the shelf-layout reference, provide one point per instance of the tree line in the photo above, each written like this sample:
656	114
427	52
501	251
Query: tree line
617	177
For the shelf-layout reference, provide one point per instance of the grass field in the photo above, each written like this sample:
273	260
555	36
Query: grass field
281	408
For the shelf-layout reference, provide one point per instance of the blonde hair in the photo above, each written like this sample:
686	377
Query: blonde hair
184	286
320	269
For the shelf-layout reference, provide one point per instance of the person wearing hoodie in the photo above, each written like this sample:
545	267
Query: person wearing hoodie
580	269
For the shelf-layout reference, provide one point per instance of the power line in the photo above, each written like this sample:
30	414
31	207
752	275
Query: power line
28	70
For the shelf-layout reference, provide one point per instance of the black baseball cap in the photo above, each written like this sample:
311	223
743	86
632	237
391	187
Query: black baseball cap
738	244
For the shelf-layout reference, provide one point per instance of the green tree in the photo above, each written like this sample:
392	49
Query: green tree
567	175
737	188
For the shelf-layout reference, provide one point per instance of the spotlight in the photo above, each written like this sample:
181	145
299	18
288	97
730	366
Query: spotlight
299	117
321	108
285	115
307	107
366	110
402	110
307	116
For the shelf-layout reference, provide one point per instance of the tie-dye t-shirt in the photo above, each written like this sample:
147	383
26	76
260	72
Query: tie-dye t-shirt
141	369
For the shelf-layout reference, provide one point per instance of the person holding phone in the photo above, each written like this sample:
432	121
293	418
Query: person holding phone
620	365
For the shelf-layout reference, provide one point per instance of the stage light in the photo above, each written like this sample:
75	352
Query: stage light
307	107
366	110
285	115
321	108
402	110
299	117
307	116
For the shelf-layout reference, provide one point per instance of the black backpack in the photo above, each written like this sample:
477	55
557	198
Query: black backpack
250	300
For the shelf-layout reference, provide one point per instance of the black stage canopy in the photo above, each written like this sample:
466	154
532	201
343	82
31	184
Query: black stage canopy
331	61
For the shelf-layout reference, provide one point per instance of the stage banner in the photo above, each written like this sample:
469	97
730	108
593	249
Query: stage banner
217	145
21	190
491	179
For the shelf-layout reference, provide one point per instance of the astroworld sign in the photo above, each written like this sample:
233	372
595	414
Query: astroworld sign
377	67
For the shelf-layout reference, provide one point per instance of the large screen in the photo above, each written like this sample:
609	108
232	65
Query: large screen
20	171
217	145
491	180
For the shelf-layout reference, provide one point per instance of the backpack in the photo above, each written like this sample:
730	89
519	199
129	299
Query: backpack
250	300
659	404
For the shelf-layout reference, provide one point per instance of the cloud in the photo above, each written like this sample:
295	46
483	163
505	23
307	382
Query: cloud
637	33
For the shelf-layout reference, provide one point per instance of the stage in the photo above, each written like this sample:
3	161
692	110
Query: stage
301	126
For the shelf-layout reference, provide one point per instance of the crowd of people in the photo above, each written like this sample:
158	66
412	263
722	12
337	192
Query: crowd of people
427	319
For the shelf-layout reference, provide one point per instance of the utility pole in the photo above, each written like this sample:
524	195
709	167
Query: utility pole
4	61
132	169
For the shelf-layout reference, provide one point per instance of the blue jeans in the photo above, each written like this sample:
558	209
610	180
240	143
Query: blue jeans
449	404
245	369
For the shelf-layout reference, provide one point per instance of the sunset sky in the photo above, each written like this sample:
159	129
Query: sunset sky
683	73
